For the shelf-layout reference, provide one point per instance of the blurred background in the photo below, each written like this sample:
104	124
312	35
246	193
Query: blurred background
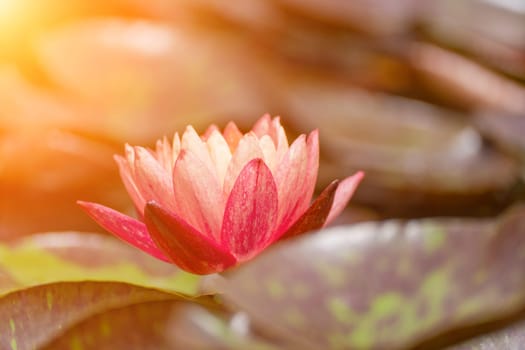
427	97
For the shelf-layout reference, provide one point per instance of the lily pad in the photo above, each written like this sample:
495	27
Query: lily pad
73	256
169	324
427	155
32	317
384	285
510	337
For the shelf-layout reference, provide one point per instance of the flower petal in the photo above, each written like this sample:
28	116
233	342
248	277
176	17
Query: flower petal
247	149
272	128
175	149
251	210
130	185
124	227
262	126
315	216
152	180
232	135
198	195
211	129
344	192
192	141
163	153
219	153
310	176
268	148
280	139
188	248
290	179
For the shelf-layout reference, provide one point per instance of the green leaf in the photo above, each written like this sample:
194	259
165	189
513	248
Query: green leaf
73	256
156	325
384	285
33	317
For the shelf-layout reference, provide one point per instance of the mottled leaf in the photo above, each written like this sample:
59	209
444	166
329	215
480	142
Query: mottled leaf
200	328
510	337
73	256
32	317
384	285
158	325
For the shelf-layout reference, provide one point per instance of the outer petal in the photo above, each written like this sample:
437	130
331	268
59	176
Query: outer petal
290	180
310	176
130	185
198	195
188	248
343	194
124	227
315	217
251	210
175	149
163	153
152	180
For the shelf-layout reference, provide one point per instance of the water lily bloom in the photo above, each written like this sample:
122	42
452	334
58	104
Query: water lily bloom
207	203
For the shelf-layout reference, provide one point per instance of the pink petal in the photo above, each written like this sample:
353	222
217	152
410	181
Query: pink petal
198	195
251	210
315	216
232	135
219	153
262	126
310	176
268	149
152	179
247	149
130	185
175	149
191	141
124	227
211	129
164	153
272	127
280	139
290	180
188	248
344	192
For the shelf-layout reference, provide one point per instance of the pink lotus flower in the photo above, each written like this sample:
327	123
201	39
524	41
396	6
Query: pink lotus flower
208	203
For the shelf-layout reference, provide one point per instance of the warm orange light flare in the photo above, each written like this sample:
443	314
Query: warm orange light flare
15	22
10	13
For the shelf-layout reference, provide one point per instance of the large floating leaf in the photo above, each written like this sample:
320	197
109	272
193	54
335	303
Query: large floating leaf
156	325
422	153
511	337
385	285
32	317
73	256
